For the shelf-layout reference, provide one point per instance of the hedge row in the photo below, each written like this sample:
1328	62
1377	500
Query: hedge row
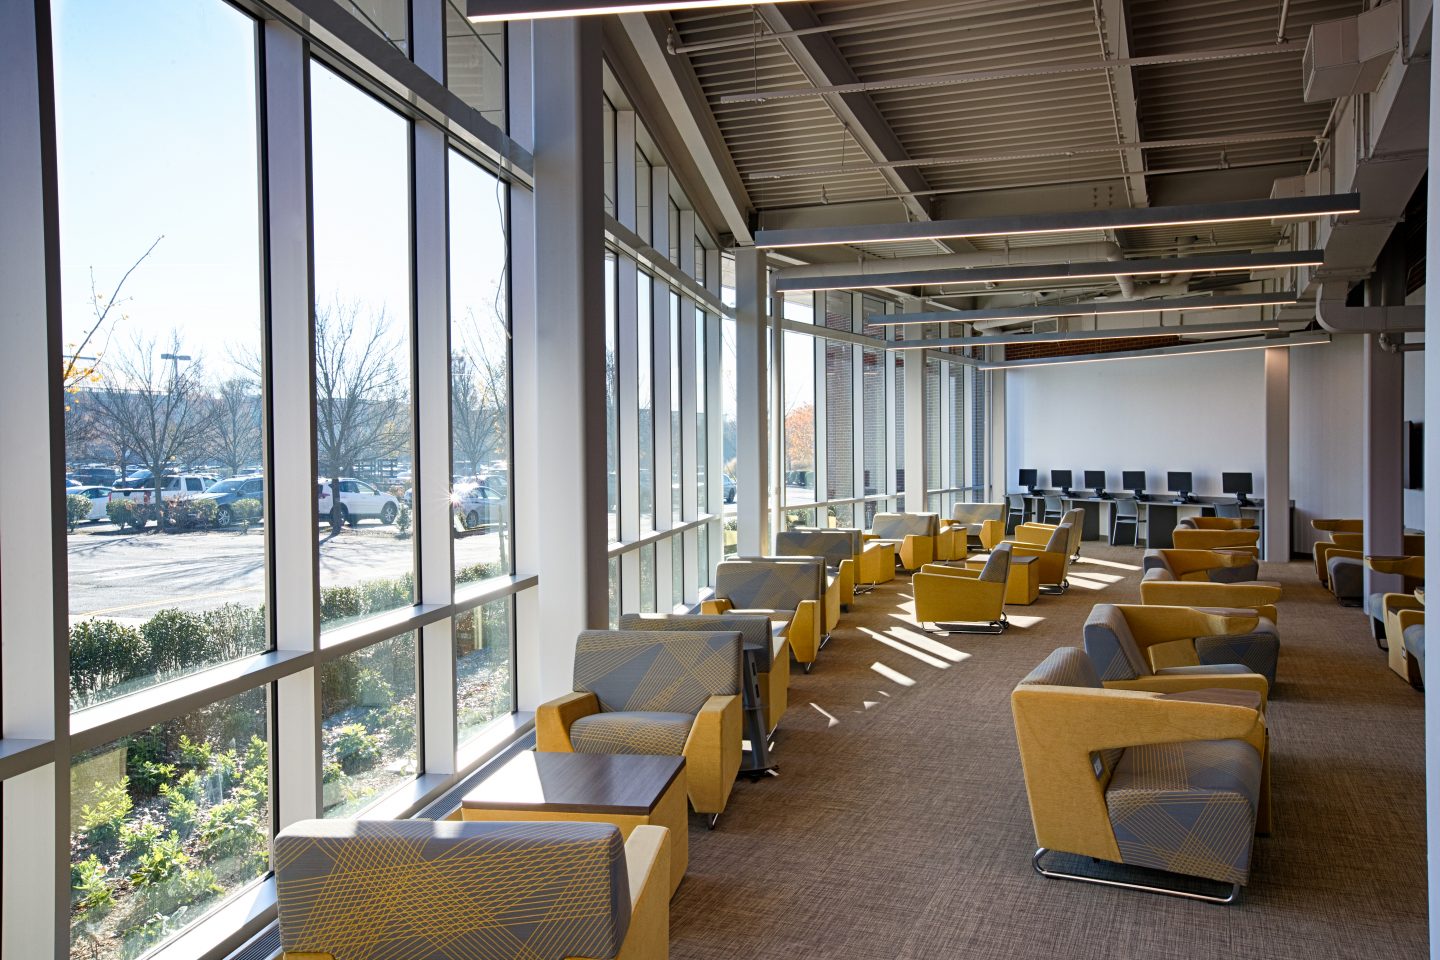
106	654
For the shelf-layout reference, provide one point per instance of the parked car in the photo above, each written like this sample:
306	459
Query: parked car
358	501
96	475
171	487
727	487
99	498
479	507
227	491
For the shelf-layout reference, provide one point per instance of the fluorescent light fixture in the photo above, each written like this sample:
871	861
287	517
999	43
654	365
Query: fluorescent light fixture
1019	339
485	11
1058	272
1185	215
1099	309
1184	349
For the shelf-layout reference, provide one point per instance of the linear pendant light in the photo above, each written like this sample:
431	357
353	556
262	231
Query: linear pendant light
1190	214
1019	339
1100	309
1245	343
486	11
1058	272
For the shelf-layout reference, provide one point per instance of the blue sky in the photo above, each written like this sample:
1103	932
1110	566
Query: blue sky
156	110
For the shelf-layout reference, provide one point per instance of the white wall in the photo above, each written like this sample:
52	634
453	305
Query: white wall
1327	405
1202	413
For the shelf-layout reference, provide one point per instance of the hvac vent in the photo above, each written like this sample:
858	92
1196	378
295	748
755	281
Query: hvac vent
1348	57
1046	326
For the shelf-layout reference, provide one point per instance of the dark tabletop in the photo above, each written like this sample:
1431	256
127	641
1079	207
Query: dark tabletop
577	783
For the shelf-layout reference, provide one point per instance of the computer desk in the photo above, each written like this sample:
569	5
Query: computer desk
1157	517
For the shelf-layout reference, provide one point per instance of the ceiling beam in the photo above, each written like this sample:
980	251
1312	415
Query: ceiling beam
1115	45
1101	308
1065	336
823	64
674	81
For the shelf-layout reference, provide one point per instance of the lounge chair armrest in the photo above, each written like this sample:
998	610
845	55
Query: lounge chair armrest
553	720
716	605
1177	683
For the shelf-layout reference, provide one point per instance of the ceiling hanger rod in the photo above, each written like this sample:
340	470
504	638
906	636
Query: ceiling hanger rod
1009	73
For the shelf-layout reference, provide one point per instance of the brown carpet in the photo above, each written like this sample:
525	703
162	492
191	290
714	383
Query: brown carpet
898	825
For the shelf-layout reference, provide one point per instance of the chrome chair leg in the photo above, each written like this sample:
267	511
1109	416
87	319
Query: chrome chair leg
1232	897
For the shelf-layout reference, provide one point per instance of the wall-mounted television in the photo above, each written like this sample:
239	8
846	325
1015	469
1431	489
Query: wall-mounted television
1414	455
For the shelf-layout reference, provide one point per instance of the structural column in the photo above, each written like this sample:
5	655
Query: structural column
752	408
1383	507
1277	455
913	456
1432	503
34	668
567	407
995	452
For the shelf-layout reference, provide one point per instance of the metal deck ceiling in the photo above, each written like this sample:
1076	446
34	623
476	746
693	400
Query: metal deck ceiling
1012	134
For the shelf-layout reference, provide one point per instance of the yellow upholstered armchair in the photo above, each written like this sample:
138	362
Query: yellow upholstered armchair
950	597
1333	530
1186	539
1218	523
837	550
1052	545
1259	650
789	590
982	523
914	536
1137	647
1093	757
484	891
1384	609
671	693
1213	566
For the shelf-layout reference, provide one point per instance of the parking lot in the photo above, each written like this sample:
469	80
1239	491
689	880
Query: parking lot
128	576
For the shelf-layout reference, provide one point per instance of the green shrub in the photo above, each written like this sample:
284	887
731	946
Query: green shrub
234	630
88	888
339	603
187	513
124	512
103	654
178	640
184	888
354	748
246	509
477	571
136	839
372	689
233	832
403	521
77	509
182	803
195	754
398	722
101	821
163	860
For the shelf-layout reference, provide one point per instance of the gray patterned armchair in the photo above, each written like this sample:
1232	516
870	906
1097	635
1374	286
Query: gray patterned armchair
670	693
422	890
1168	781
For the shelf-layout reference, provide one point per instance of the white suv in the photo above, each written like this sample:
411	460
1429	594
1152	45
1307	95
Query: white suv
358	501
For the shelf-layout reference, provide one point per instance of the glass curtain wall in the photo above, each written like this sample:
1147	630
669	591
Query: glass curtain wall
184	645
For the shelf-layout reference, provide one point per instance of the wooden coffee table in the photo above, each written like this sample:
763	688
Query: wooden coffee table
624	789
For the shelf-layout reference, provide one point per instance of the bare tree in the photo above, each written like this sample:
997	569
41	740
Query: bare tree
81	369
236	437
479	395
155	407
360	394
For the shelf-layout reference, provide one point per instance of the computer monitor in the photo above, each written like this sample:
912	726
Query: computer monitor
1239	484
1029	478
1134	481
1180	483
1095	480
1061	479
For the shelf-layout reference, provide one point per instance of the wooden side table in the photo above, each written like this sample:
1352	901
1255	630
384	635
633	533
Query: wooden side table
627	790
1022	586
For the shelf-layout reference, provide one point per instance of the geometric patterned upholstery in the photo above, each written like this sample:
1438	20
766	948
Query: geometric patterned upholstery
1258	650
1059	541
1415	645
1187	807
997	568
1111	646
770	583
451	890
754	629
1156	560
832	546
648	732
664	671
1066	667
898	526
